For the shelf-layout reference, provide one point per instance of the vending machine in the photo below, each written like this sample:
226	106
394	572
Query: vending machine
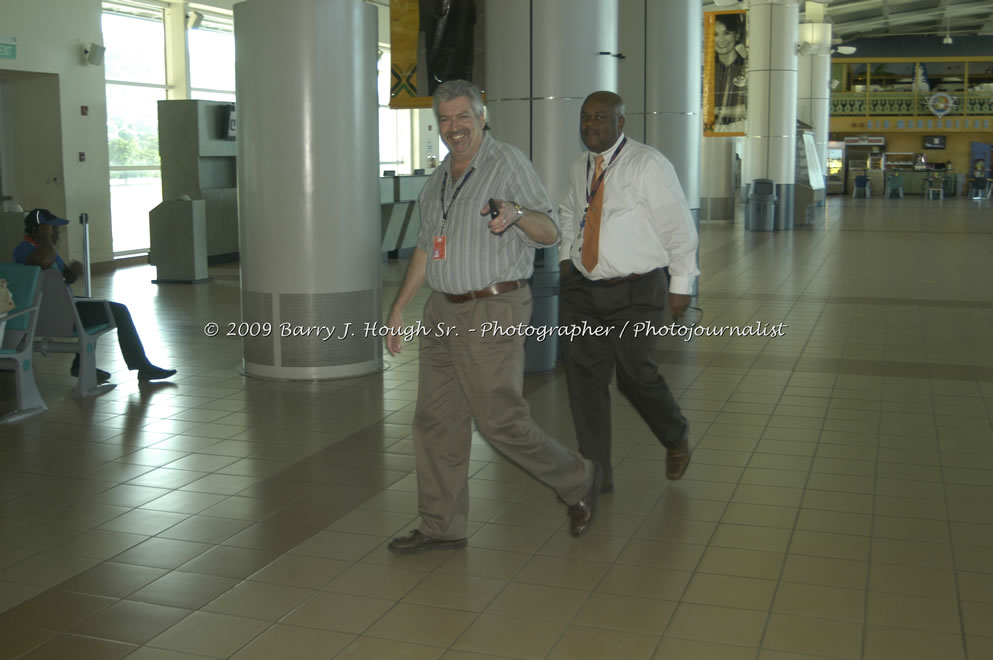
836	167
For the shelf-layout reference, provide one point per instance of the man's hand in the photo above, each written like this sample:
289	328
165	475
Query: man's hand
678	302
565	267
72	272
394	340
506	215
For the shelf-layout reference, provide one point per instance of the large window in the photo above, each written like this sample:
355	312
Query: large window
394	125
135	72
211	48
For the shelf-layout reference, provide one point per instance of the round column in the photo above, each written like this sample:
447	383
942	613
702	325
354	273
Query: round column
673	92
771	125
813	104
307	188
673	89
543	58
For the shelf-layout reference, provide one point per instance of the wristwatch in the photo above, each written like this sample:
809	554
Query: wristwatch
520	211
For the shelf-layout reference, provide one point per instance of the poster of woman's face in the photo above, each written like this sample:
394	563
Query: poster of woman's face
725	73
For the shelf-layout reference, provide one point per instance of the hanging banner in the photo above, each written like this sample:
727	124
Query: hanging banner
431	41
725	73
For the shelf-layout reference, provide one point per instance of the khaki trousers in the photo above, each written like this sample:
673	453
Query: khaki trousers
472	374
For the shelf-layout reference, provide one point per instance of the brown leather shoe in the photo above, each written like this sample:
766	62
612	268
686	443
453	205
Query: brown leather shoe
417	542
676	461
582	513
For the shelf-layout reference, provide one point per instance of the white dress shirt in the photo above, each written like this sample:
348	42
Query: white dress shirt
646	221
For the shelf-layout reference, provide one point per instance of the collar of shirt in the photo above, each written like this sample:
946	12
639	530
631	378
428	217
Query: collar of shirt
30	240
610	152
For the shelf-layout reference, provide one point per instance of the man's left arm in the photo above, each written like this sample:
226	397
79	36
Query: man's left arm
677	233
539	222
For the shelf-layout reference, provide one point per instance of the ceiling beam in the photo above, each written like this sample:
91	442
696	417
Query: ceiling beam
934	16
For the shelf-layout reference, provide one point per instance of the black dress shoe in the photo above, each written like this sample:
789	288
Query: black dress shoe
417	542
151	372
582	513
102	376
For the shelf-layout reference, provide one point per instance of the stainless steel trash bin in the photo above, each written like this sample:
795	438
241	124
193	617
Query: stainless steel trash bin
761	210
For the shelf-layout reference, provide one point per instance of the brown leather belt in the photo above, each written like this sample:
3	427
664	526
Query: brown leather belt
492	290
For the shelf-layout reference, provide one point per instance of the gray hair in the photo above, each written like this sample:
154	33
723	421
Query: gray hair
454	89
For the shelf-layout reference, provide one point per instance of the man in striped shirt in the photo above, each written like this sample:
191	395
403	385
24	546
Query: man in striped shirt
483	213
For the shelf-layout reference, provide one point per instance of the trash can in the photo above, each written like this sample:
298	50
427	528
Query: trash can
177	232
761	210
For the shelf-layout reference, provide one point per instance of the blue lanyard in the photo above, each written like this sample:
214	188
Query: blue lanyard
595	185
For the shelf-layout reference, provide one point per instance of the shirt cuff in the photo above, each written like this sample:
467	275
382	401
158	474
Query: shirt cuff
681	284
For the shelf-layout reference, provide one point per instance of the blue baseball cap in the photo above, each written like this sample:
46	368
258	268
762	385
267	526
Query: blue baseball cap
38	217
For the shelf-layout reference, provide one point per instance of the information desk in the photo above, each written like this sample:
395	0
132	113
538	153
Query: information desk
401	216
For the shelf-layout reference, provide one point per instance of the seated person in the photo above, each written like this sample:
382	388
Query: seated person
41	233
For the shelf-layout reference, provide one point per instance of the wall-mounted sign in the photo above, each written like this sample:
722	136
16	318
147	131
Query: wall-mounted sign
941	104
8	48
865	141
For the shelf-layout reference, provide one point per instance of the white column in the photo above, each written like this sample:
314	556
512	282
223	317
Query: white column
631	69
813	104
771	126
673	88
543	58
718	192
308	186
177	52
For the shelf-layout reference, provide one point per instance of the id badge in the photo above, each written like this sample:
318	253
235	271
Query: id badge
438	252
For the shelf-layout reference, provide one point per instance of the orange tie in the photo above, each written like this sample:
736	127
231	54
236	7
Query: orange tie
591	233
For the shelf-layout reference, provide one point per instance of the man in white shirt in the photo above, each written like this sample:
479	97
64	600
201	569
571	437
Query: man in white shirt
624	219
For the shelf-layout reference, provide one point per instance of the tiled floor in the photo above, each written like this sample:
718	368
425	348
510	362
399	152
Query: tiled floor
839	503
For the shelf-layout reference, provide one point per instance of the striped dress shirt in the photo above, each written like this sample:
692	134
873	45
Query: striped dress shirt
475	257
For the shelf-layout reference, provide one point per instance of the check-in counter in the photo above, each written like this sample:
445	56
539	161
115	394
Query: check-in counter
401	218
